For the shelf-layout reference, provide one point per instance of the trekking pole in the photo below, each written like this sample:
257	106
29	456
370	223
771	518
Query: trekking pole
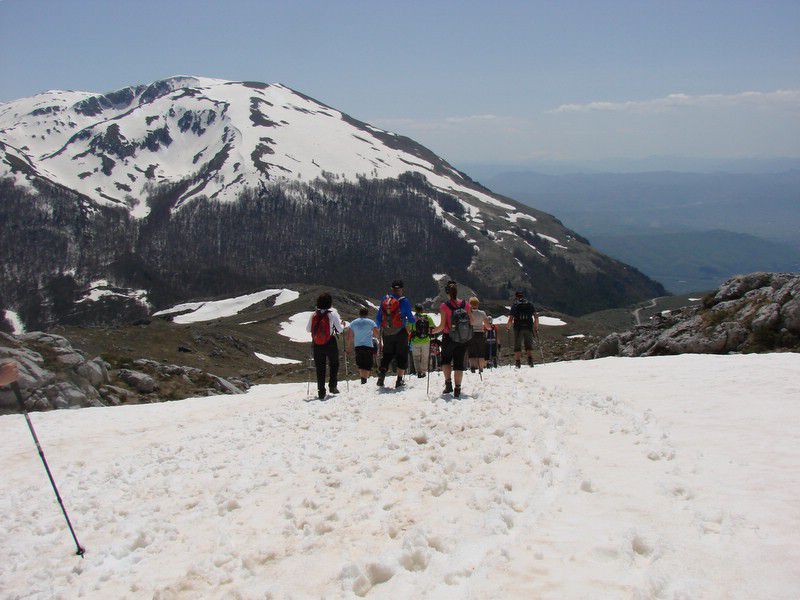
539	343
428	371
80	550
308	378
346	371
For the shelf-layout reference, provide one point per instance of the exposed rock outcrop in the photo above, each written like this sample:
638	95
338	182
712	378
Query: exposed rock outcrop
758	312
53	374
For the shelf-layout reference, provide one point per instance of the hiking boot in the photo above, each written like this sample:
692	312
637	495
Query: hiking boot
472	369
334	390
518	365
422	375
457	391
381	377
530	361
448	387
399	383
363	380
321	394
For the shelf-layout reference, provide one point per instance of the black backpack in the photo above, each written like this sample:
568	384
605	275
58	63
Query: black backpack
422	328
460	327
524	315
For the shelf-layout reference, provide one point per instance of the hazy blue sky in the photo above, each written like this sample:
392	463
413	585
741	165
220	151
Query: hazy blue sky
474	81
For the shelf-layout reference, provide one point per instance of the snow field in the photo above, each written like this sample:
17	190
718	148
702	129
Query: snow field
276	360
295	327
196	312
544	321
671	477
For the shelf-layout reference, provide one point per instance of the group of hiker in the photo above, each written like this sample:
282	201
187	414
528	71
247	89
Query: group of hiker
401	332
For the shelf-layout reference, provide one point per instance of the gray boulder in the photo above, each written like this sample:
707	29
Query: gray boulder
766	317
755	312
790	315
225	386
741	284
141	382
116	395
93	371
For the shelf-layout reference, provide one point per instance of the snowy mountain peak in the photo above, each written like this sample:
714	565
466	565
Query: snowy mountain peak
216	138
191	187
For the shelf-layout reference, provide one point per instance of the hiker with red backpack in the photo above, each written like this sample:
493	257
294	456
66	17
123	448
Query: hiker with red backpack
456	333
323	325
394	315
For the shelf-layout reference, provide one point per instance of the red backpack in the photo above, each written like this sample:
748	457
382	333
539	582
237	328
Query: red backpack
321	327
391	313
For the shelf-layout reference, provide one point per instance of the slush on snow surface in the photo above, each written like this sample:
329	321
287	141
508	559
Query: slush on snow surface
668	477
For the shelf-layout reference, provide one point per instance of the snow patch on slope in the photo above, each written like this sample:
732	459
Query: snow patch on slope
196	312
17	326
276	360
295	327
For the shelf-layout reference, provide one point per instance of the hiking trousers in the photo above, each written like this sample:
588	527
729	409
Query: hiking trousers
327	353
523	335
421	353
395	347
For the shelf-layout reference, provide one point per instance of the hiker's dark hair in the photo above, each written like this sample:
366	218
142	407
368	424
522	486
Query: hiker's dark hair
362	312
324	302
451	285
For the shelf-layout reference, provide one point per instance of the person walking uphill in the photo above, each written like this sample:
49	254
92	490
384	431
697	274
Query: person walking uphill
421	341
457	332
525	320
360	333
323	325
477	345
394	314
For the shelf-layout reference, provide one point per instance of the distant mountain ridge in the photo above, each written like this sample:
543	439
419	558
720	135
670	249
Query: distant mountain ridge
698	260
192	187
761	204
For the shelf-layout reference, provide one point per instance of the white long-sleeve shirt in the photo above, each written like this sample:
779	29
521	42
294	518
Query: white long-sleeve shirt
333	318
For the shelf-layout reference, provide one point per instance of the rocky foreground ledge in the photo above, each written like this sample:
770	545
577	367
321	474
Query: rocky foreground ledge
53	374
759	312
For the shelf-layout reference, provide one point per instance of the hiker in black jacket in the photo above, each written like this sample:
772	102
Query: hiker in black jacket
323	325
525	320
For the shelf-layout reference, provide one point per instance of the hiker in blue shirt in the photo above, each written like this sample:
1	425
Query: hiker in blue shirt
359	333
393	319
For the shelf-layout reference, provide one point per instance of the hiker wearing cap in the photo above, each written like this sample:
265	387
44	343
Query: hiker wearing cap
323	325
456	333
394	316
525	320
477	344
421	341
359	333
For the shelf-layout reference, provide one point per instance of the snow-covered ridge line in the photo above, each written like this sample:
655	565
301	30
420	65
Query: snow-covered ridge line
227	137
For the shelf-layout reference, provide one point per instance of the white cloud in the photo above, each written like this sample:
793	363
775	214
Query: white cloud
778	99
